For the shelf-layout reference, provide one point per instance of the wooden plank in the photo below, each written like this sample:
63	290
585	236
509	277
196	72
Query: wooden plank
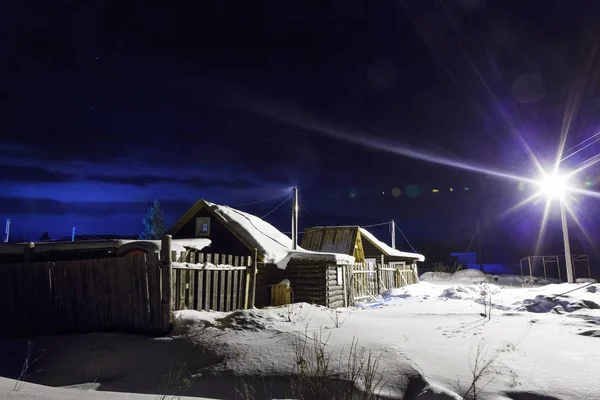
185	280
207	289
236	261
191	291
222	290
200	290
215	290
228	290
154	297
166	301
148	327
234	289
200	258
137	303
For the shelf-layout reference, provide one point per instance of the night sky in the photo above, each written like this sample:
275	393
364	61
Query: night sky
109	105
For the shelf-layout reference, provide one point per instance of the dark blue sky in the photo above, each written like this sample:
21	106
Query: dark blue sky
107	106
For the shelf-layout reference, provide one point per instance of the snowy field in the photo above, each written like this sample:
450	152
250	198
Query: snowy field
440	339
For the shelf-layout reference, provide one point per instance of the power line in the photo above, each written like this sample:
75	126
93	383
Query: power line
584	147
371	226
259	201
405	238
310	215
275	209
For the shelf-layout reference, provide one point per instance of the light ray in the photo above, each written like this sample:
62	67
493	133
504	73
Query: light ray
574	100
518	206
584	165
278	113
585	192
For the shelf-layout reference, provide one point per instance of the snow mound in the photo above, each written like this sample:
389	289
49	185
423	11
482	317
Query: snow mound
468	275
543	304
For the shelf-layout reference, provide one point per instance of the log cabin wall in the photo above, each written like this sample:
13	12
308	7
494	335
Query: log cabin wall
336	291
308	280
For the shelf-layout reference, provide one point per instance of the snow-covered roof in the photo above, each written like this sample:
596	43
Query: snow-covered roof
389	250
272	244
384	248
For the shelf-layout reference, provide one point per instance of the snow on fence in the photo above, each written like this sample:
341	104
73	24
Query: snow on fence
128	294
367	281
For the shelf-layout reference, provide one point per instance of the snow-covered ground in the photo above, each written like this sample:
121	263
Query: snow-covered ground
432	338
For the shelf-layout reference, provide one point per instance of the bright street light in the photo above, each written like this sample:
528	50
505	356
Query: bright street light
554	186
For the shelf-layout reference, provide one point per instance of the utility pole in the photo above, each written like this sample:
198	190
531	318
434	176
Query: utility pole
565	229
73	235
295	220
393	234
7	231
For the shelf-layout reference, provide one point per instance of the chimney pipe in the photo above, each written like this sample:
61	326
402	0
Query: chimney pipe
393	234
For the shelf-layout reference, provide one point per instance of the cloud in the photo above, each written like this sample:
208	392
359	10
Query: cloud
130	168
31	174
86	191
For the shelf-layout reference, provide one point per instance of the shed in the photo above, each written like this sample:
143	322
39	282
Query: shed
313	275
358	242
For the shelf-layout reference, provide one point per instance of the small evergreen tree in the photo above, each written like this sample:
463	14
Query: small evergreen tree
154	226
45	237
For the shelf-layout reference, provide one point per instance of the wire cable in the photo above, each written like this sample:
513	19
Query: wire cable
275	209
259	201
405	238
371	226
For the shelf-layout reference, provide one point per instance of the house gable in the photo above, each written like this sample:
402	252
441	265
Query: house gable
223	241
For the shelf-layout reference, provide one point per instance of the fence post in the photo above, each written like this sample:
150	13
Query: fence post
251	282
350	285
378	274
166	299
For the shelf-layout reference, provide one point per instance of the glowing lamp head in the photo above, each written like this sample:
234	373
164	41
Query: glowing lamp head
553	186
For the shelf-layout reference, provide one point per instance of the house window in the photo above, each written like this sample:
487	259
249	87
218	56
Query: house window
202	227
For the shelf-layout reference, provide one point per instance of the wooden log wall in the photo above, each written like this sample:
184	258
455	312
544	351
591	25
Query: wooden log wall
109	294
336	289
307	279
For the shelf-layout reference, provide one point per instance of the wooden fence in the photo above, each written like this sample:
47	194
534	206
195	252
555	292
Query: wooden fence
130	294
123	294
205	284
367	281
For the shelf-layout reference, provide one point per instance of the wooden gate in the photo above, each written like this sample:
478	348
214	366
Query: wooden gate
367	281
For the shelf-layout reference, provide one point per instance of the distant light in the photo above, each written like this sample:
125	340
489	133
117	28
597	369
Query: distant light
452	189
435	190
396	192
467	189
382	192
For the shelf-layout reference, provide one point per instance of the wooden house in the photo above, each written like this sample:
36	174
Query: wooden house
358	242
315	277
